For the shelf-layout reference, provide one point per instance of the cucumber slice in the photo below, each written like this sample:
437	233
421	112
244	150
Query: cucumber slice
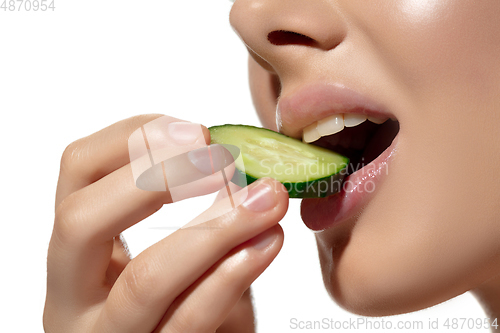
307	171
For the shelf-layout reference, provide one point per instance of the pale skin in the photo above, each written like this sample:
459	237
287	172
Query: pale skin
94	286
430	233
432	63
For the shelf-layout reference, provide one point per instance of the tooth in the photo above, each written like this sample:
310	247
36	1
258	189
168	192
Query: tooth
310	133
377	120
353	119
331	125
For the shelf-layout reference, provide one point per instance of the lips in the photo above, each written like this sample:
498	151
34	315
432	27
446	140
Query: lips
342	120
316	102
357	190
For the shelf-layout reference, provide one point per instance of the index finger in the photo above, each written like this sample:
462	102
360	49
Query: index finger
91	158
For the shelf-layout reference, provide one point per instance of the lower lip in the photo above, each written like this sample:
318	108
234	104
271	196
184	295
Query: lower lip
323	213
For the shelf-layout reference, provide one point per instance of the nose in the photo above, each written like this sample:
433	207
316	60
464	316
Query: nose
278	33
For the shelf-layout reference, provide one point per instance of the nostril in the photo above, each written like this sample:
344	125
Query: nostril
282	37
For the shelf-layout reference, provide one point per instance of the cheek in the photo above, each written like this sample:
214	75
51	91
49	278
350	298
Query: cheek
432	231
265	89
428	44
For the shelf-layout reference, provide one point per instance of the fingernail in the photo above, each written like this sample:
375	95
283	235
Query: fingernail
200	158
260	198
264	240
184	133
211	159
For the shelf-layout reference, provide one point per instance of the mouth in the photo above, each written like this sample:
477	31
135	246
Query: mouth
369	146
357	136
344	122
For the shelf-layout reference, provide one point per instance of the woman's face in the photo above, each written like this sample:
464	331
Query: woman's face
424	224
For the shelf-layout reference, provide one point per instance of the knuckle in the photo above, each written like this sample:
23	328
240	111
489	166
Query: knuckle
72	156
179	323
187	321
68	226
238	271
139	282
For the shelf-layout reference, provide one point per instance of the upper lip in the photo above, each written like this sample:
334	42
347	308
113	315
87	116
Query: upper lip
315	102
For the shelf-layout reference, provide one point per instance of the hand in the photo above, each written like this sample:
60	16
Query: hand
188	282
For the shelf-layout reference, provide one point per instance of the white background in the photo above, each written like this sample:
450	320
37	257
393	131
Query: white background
68	73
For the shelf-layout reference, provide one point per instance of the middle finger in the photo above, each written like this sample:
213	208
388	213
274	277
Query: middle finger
152	280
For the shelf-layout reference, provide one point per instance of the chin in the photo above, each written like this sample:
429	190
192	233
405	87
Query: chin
364	278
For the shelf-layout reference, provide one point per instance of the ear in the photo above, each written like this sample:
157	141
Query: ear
265	88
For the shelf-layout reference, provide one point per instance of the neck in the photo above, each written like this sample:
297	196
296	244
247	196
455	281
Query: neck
488	295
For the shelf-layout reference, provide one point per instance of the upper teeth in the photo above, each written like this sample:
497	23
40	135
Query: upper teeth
334	124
